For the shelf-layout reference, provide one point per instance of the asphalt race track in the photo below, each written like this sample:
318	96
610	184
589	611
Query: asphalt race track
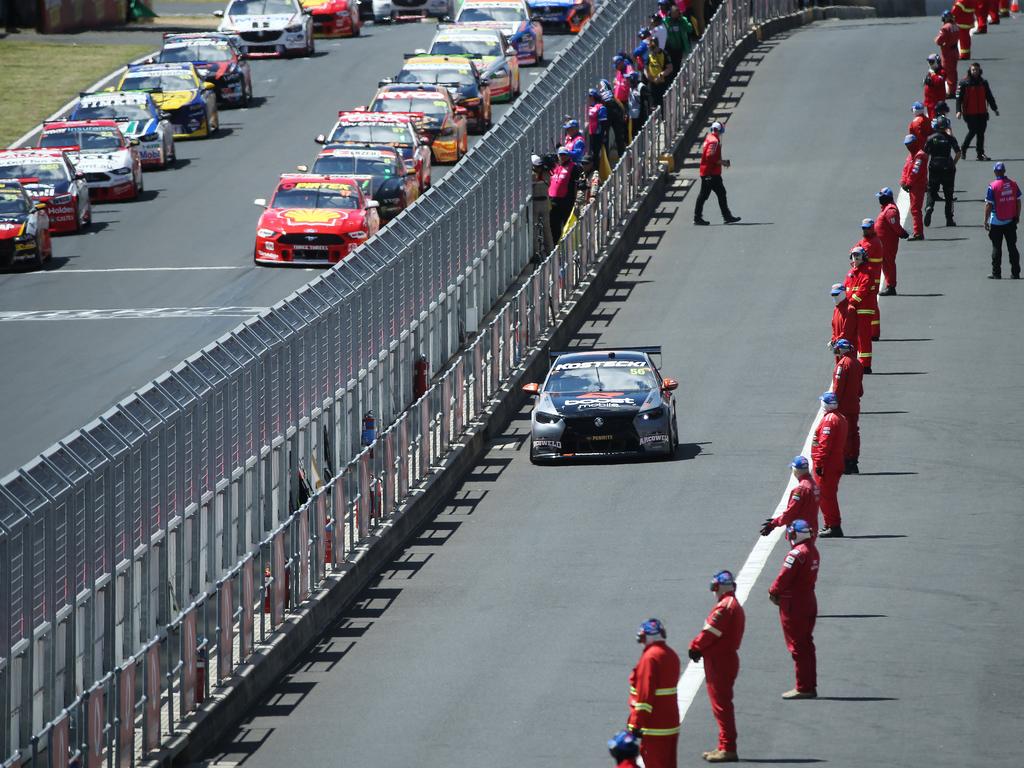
505	635
70	344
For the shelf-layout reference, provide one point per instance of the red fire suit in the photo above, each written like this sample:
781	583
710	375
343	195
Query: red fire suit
934	90
1004	8
711	155
828	455
848	386
802	505
963	17
981	14
798	610
859	284
874	248
889	231
842	326
719	642
653	707
915	180
921	127
947	42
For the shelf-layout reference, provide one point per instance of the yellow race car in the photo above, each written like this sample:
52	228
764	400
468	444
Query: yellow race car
435	116
188	101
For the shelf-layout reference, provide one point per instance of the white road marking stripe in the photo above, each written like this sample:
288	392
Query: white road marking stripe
903	203
101	271
693	674
129	314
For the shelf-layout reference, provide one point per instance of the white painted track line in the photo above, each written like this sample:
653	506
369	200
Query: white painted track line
109	270
129	314
693	673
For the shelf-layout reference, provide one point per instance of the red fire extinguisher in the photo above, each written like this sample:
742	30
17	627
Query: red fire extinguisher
329	541
201	671
419	380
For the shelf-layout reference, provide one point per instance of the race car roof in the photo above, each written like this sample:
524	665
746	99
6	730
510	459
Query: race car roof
9	184
367	152
604	356
470	30
412	91
432	61
67	125
184	37
37	154
316	178
378	118
169	67
491	3
114	98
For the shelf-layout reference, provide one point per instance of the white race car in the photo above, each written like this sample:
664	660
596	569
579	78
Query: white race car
269	27
396	10
98	149
137	117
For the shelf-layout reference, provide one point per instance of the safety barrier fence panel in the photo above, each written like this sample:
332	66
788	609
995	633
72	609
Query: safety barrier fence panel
145	557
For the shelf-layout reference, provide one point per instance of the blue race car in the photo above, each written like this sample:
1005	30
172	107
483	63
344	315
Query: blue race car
138	118
569	15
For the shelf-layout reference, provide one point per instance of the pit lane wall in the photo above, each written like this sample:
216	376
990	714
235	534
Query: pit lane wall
214	520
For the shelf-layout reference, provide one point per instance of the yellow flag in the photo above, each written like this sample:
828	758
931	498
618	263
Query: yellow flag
570	222
605	168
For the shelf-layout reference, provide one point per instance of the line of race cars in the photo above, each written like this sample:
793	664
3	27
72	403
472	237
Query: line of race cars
375	162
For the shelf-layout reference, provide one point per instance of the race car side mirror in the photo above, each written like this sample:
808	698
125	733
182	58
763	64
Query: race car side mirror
164	115
320	139
208	86
424	142
133	142
411	171
446	19
370	204
669	385
260	201
302	168
219	14
510	51
532	388
150	60
40	206
79	175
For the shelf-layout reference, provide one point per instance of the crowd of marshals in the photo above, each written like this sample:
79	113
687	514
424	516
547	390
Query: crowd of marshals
652	727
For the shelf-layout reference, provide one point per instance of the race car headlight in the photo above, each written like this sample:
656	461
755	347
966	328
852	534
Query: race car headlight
121	171
472	101
149	137
293	28
547	418
653	413
24	237
61	200
265	233
357	235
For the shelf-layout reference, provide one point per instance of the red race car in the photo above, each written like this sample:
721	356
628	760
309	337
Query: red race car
360	128
314	220
334	18
49	177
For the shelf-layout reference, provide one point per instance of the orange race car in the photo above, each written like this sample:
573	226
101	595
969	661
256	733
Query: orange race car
442	123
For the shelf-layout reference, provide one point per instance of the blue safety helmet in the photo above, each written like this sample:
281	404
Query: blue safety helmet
799	462
860	253
829	400
999	169
868	223
837	288
571	124
917	106
617	59
883	192
633	77
593	93
723	579
798	531
933	58
623	746
651	628
909	139
643	33
842	345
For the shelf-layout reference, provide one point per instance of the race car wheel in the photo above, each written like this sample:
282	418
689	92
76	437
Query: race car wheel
311	49
246	93
673	439
40	259
357	26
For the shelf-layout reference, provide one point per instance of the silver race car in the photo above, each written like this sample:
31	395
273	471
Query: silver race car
607	402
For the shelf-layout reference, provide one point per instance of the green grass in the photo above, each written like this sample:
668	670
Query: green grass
38	78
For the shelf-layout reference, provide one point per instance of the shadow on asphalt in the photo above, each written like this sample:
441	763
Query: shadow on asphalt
900	373
879	341
885	474
878	536
782	760
916	296
881	413
856	698
852	616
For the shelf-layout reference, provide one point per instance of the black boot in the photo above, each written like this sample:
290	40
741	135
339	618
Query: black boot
851	467
835	532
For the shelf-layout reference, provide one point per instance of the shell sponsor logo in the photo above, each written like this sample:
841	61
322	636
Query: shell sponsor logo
313	216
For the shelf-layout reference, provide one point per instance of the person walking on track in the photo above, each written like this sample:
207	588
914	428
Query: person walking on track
828	452
973	98
718	643
653	706
943	154
711	164
803	500
1002	215
793	592
947	42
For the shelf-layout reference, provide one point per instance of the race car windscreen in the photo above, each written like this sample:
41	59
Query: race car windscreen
92	140
303	195
12	203
49	172
433	108
332	165
199	51
462	46
505	15
424	75
371	134
601	376
113	112
167	81
260	7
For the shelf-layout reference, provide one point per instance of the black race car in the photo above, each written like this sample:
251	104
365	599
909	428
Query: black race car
380	171
603	402
24	227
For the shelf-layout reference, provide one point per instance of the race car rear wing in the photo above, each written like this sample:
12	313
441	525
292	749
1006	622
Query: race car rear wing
612	350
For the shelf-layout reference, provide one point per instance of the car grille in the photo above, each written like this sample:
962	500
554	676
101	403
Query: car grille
582	435
97	177
260	36
409	3
6	252
546	9
310	239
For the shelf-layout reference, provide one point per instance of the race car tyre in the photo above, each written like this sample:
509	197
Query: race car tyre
357	27
170	157
312	46
246	93
40	259
382	19
673	440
